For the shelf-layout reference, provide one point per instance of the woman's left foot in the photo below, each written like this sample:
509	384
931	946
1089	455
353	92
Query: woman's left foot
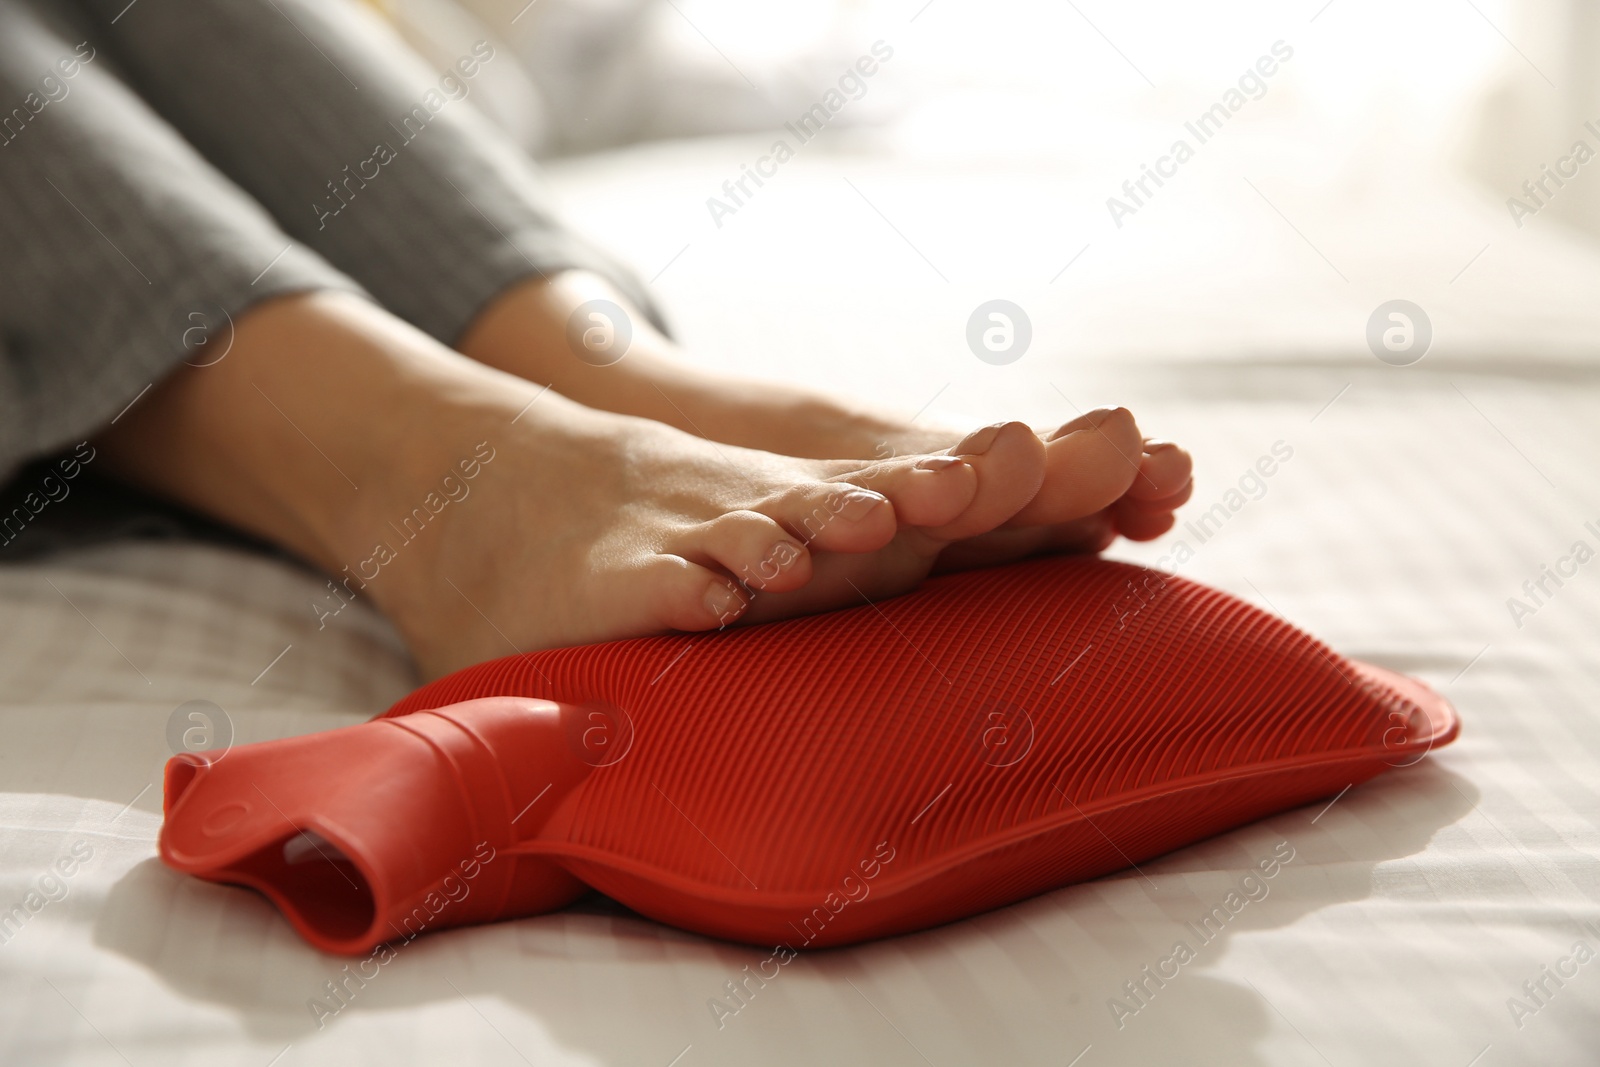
1103	478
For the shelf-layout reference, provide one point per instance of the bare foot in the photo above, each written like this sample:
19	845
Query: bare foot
1102	477
589	526
485	515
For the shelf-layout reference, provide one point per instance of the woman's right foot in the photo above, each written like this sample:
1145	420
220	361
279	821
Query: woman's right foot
486	517
584	526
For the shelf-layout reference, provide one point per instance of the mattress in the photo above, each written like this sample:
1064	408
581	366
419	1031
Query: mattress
1445	913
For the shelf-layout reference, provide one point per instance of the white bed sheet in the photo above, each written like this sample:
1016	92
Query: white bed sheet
1416	502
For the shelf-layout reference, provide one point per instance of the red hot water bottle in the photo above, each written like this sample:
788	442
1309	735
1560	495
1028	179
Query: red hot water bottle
813	782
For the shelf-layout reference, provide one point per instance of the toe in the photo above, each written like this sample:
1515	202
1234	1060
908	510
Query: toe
681	595
928	491
1164	470
995	548
1005	467
1171	502
1138	521
1088	535
1089	463
834	516
755	549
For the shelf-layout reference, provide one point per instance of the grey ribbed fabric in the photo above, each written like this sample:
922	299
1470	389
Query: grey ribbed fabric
171	159
112	231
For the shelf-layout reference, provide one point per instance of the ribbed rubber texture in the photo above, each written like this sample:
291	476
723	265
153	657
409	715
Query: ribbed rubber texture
990	736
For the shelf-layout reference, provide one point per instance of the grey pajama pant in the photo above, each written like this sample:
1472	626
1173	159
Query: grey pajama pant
164	164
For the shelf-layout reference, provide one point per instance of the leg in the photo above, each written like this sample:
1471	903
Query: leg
516	519
103	205
319	111
332	428
451	233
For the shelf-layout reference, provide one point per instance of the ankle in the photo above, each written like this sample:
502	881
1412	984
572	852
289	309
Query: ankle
310	416
534	330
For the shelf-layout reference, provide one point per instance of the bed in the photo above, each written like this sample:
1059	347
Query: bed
1421	916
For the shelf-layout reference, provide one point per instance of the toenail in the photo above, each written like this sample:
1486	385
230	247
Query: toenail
782	554
978	442
1152	447
857	504
723	602
938	463
1093	418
